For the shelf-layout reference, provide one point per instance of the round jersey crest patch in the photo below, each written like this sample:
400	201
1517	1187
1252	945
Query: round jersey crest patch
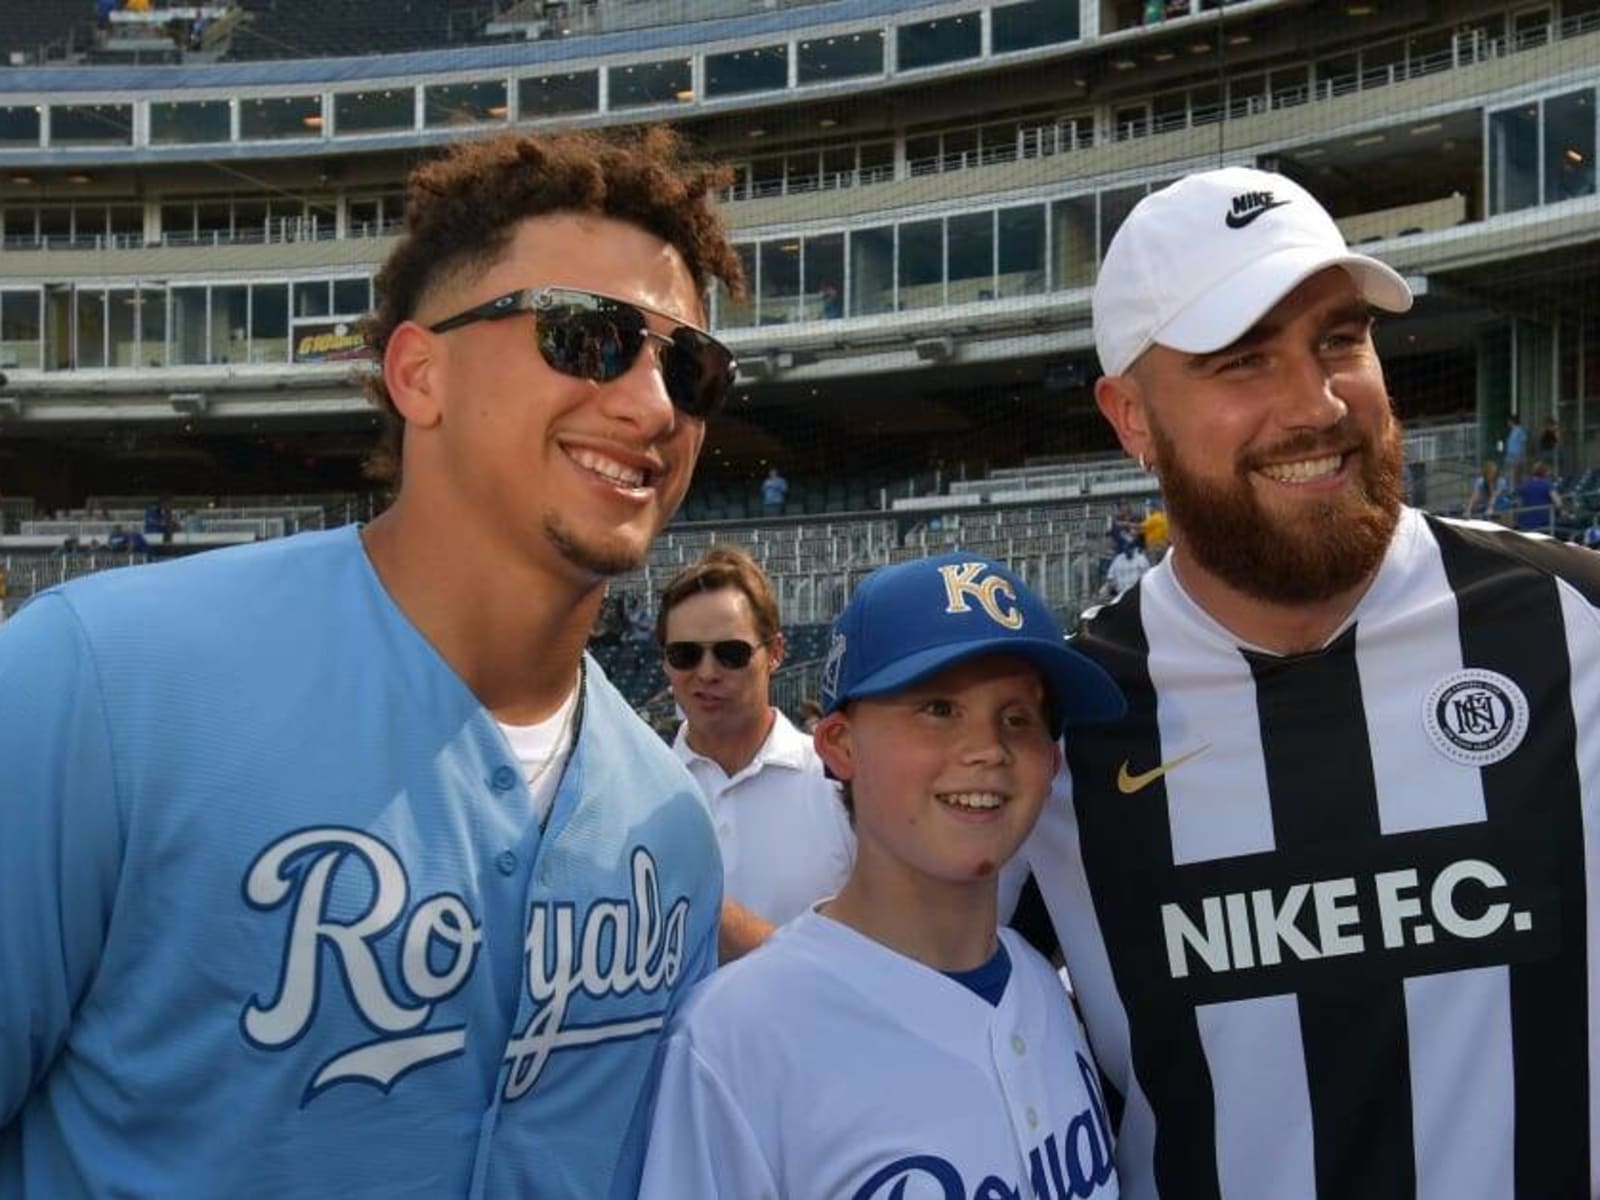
1476	717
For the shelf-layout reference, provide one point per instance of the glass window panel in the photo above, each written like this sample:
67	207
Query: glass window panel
669	82
845	56
352	297
969	250
946	40
276	117
839	168
249	219
19	125
190	121
731	313
311	299
188	334
922	154
1114	209
1072	238
802	171
1034	23
464	103
1169	110
1569	146
1513	159
363	219
55	224
556	95
122	315
20	329
213	220
922	264
22	225
370	112
999	142
1205	104
960	149
766	177
91	124
88	222
877	162
269	323
871	287
763	69
177	221
91	331
1021	233
230	323
824	276
780	281
153	326
127	222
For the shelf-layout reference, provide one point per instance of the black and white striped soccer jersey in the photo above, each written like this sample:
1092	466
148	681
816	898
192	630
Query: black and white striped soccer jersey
1332	918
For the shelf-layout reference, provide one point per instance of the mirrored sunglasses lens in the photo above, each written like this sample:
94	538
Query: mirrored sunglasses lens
696	372
587	344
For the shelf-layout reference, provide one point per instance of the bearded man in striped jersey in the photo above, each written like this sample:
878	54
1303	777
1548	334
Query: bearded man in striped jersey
1325	893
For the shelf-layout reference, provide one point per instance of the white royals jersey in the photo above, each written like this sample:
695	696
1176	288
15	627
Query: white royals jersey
826	1066
1333	917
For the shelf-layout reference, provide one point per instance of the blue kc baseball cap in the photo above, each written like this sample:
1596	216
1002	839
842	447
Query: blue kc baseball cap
913	619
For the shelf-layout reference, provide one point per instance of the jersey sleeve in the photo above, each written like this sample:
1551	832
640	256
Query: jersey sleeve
60	838
701	1144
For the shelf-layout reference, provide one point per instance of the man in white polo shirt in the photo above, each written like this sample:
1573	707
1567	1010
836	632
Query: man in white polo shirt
785	837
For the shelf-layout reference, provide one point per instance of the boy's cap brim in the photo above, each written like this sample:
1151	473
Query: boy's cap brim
1080	689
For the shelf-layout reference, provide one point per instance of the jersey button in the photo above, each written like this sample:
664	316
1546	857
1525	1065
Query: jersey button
503	779
506	861
1033	1118
1018	1044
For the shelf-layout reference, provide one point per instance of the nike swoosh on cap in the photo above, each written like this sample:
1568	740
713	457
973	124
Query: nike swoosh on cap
1240	220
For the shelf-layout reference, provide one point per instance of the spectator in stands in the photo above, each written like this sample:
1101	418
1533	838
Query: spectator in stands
341	835
1591	536
1153	531
774	491
785	837
1539	503
1126	569
1487	491
1516	443
832	301
1550	446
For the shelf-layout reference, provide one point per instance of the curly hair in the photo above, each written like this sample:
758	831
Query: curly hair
462	210
718	568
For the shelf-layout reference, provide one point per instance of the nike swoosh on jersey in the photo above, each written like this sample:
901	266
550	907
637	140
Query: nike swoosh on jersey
1240	220
1128	783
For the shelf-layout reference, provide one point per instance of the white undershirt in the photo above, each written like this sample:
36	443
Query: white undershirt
536	746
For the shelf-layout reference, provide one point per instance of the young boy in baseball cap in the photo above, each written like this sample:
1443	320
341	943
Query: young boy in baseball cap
892	1041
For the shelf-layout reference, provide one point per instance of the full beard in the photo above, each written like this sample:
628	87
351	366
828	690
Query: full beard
1325	549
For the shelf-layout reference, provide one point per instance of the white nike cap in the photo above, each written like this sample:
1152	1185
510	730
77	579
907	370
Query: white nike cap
1196	264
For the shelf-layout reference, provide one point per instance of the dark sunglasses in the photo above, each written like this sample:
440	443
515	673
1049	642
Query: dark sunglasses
594	337
732	655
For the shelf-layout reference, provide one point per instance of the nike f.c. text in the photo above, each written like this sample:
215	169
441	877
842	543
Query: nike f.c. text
1377	865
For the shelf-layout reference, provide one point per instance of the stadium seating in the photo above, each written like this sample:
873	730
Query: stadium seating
318	28
37	30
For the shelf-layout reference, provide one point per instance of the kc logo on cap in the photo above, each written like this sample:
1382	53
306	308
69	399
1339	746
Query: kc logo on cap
964	579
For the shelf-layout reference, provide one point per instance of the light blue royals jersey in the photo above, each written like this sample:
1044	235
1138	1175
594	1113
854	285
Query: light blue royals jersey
276	916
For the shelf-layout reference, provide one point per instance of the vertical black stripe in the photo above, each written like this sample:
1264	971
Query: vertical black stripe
1511	622
1319	776
1125	844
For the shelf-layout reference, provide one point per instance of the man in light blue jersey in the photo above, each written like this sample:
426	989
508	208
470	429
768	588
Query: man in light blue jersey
330	866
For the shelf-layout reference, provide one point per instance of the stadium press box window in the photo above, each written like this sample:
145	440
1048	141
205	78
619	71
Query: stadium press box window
465	103
934	43
275	118
376	111
91	125
1032	24
190	122
558	95
639	84
20	125
762	69
845	56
